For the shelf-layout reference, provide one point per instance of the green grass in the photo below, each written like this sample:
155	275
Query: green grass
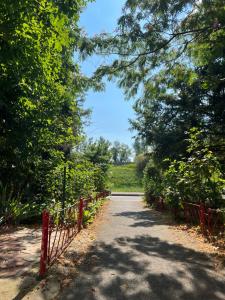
123	179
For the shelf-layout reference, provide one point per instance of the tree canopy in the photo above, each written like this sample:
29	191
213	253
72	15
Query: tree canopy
170	55
41	91
172	51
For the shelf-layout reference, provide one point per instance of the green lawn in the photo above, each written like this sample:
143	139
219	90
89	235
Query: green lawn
123	179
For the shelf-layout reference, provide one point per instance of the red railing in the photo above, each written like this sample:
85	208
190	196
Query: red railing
59	229
211	221
191	213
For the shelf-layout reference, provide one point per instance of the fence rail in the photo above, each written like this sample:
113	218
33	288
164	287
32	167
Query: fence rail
59	229
211	221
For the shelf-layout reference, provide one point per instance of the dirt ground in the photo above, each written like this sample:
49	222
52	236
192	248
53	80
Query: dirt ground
19	258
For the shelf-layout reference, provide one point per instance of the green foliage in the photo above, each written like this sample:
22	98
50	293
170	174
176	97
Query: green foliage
98	152
41	86
140	163
41	108
197	178
100	179
152	180
82	179
89	214
89	178
120	153
12	210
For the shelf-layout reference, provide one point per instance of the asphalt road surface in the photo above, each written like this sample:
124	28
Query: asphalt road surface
138	256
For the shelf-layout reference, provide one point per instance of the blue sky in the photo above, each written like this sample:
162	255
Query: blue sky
110	112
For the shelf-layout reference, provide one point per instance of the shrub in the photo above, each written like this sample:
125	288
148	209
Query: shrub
100	179
13	210
152	181
197	178
89	214
140	163
82	179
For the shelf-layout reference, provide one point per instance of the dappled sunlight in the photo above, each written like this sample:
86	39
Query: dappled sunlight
115	271
137	256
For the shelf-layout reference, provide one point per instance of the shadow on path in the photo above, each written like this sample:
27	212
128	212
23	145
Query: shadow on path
144	218
122	270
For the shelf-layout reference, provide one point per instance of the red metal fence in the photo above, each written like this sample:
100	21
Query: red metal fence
211	221
59	229
191	213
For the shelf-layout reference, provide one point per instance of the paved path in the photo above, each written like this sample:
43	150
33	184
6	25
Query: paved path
137	256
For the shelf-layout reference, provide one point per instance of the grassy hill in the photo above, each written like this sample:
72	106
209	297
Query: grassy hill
123	179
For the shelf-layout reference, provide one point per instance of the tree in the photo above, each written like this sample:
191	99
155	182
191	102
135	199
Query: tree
115	152
169	107
139	146
172	51
40	112
98	152
125	153
120	153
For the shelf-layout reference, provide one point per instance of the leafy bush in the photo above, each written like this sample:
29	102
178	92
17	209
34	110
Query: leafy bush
100	179
89	214
82	179
197	178
152	181
12	210
173	189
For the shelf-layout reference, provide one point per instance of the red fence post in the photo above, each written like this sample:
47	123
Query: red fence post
209	221
44	243
80	216
202	216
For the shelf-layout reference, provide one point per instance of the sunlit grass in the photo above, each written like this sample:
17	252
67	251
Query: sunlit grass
124	179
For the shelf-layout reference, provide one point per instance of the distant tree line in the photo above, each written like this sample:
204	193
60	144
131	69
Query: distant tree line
104	152
121	153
